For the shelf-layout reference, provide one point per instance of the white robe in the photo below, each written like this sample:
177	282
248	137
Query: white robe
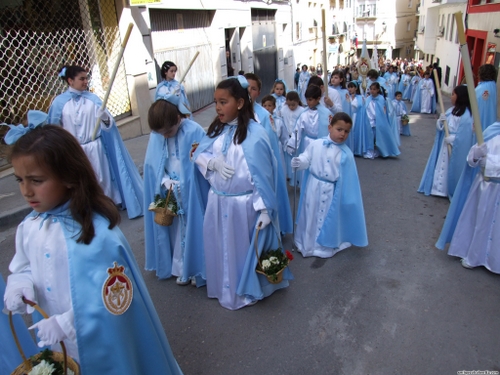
426	95
477	235
42	259
440	180
79	119
229	220
317	198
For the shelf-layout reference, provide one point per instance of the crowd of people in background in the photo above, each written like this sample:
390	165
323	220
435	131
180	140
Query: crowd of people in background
230	185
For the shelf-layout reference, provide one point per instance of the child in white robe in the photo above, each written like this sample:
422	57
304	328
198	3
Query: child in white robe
237	160
73	260
269	103
330	216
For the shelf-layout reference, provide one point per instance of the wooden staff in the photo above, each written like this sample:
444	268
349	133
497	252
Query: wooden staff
325	69
113	75
189	67
464	51
440	97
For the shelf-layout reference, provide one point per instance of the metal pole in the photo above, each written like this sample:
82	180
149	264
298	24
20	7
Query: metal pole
294	193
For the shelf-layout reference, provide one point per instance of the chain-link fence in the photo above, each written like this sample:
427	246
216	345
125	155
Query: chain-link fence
38	37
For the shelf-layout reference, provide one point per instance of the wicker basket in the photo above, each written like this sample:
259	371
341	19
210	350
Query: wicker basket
273	279
163	216
405	122
26	366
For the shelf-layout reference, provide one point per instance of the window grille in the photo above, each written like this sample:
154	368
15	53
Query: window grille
38	37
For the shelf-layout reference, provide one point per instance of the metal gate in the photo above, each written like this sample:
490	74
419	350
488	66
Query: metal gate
176	36
264	48
38	37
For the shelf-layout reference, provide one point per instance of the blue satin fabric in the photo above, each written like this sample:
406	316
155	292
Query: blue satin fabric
345	220
175	88
131	343
259	157
487	107
193	200
385	136
284	211
123	169
346	108
464	140
416	106
461	193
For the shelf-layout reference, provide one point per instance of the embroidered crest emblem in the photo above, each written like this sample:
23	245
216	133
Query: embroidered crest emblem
485	95
194	146
117	291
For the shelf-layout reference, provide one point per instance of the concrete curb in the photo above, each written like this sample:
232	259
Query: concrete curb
13	217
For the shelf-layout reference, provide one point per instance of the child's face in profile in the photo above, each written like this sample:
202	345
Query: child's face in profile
269	106
399	97
339	131
253	89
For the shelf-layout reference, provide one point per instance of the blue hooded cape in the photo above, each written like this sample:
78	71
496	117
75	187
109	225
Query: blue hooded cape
416	106
108	343
385	136
464	140
345	220
258	153
461	193
123	170
487	104
192	202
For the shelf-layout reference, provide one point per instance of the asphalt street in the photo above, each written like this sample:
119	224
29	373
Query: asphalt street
398	306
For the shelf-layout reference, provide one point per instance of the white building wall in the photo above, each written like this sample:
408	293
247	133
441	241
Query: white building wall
447	46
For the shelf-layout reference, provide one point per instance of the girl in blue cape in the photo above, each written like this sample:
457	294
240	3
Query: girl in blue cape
72	259
404	84
237	159
77	110
169	85
290	112
424	101
176	249
382	141
414	85
263	117
279	93
472	225
486	93
443	171
399	110
330	216
357	106
269	103
303	82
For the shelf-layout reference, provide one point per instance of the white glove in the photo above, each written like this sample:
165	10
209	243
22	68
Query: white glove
13	300
263	220
167	182
299	163
449	139
49	332
103	115
479	152
219	165
290	150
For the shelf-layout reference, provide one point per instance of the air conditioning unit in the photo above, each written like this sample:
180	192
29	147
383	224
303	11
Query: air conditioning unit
440	31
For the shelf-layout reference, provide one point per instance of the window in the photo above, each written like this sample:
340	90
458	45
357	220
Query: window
447	25
408	26
452	29
298	30
409	6
447	76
